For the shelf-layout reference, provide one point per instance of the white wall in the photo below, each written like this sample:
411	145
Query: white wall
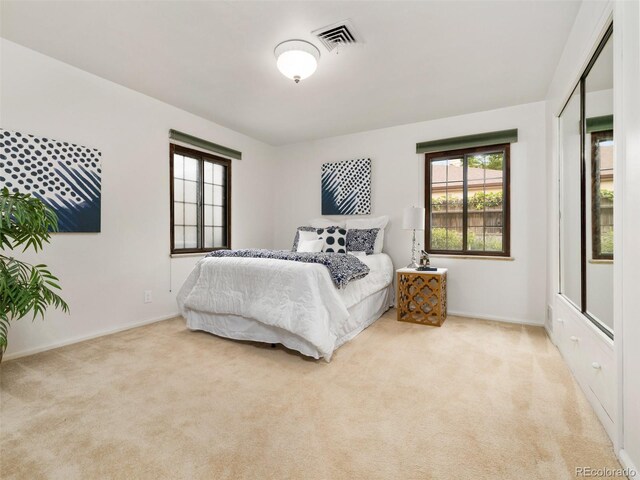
508	290
627	271
104	275
588	28
583	39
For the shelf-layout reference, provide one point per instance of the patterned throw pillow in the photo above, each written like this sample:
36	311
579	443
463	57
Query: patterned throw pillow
362	240
335	239
297	237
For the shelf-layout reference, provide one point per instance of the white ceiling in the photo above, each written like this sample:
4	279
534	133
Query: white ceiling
421	60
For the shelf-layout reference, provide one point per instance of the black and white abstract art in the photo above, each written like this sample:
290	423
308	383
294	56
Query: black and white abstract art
65	176
346	187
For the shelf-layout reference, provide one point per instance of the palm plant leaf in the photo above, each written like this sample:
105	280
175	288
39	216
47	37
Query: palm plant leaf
25	289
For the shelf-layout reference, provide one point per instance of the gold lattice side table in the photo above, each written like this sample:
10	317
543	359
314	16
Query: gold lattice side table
422	296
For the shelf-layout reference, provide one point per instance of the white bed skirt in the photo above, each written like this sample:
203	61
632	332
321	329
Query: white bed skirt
242	328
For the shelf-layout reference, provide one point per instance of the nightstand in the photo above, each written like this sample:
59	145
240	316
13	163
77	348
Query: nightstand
422	296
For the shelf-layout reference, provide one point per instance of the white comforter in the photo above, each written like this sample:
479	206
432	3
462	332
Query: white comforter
298	297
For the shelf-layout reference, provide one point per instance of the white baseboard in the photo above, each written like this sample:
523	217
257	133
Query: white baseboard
627	463
548	328
495	318
102	333
82	338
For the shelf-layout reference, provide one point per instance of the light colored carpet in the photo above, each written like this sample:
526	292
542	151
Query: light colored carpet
473	399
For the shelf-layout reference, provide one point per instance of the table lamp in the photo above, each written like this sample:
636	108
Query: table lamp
413	219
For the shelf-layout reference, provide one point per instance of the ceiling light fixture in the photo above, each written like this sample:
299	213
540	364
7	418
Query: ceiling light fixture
296	59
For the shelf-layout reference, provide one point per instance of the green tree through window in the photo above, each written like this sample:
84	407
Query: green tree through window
467	200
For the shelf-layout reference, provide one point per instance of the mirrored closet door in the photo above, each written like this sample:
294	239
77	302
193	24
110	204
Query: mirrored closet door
570	187
587	192
598	151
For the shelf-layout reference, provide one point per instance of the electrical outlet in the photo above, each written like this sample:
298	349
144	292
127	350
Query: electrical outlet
148	297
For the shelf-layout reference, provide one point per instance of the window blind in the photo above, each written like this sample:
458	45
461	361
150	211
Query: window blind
204	144
600	124
468	141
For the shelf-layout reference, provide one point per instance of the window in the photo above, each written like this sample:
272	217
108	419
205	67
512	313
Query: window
468	201
200	201
602	194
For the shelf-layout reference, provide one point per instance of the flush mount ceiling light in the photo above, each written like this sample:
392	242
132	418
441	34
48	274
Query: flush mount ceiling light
297	59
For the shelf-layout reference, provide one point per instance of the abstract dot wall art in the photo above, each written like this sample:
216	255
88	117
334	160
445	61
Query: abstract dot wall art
346	187
65	176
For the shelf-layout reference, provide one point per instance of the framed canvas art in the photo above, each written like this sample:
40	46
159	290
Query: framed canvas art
65	176
346	187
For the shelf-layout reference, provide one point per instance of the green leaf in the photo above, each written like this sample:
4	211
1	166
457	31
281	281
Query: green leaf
25	289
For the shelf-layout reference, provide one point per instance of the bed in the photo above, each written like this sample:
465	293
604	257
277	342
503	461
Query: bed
293	303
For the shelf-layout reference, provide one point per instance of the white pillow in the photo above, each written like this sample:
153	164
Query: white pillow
310	245
304	236
326	222
357	254
372	222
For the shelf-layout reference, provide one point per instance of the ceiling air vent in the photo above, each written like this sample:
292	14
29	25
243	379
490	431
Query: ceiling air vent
338	34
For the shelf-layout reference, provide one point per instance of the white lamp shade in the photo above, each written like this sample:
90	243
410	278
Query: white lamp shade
297	59
413	218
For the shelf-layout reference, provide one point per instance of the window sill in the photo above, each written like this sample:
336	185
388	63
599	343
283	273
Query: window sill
601	261
182	255
472	257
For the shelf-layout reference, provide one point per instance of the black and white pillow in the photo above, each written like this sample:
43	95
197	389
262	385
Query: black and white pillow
362	239
297	237
335	239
